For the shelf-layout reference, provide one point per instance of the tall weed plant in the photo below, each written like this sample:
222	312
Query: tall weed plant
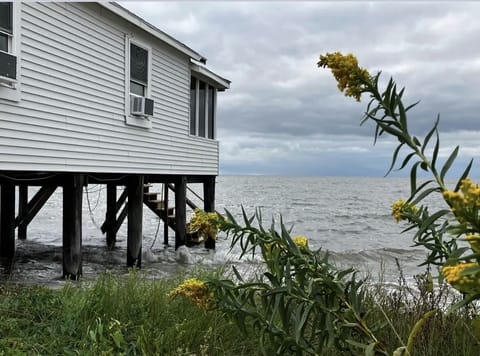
303	304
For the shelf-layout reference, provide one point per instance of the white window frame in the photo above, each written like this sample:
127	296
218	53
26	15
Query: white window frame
133	120
12	90
207	106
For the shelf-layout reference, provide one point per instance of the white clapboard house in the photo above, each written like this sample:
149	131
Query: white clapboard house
92	93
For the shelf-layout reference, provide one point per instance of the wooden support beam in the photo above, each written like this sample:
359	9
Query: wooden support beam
180	211
209	203
117	223
7	221
135	221
111	215
22	210
35	205
72	226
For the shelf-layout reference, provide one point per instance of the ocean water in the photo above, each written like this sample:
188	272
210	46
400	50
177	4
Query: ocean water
348	216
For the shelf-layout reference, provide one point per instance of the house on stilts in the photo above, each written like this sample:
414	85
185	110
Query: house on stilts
92	94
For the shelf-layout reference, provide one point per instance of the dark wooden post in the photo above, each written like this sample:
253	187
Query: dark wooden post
72	226
135	221
209	203
180	211
209	194
111	214
22	210
7	221
165	206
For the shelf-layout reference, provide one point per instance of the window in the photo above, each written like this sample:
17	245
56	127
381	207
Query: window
138	70
202	108
10	50
139	107
6	26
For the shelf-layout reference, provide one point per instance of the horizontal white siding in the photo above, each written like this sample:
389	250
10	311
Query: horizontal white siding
71	116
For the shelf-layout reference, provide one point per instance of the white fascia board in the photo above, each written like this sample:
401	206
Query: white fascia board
144	25
216	80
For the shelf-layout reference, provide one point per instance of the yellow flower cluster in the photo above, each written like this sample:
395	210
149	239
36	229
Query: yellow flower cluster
400	208
196	291
205	223
465	284
350	77
466	202
300	241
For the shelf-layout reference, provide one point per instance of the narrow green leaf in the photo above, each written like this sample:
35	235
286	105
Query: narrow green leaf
391	131
426	224
370	350
430	134
387	93
419	188
464	175
406	160
449	162
413	178
402	117
411	105
394	158
435	151
467	300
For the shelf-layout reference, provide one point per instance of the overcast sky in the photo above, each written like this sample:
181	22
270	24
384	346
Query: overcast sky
285	116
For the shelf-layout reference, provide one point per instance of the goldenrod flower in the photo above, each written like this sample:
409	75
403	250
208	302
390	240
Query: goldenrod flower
300	241
196	291
205	223
474	241
463	283
350	77
465	203
271	250
401	210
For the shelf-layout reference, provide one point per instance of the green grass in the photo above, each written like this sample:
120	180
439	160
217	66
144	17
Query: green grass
133	316
115	315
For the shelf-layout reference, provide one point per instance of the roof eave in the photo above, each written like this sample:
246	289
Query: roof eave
144	25
219	82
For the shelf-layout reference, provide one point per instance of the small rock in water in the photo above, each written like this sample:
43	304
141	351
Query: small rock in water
183	255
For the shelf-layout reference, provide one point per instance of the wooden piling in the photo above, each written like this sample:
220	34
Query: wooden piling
180	211
22	210
209	203
72	225
165	212
209	194
7	221
135	221
111	215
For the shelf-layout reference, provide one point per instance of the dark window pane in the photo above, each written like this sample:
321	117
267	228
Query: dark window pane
3	42
138	64
193	106
136	88
211	112
201	110
6	17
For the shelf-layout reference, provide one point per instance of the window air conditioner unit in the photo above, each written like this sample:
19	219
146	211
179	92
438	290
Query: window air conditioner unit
141	106
8	68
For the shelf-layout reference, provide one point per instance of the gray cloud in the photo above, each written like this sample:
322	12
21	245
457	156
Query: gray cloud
282	108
